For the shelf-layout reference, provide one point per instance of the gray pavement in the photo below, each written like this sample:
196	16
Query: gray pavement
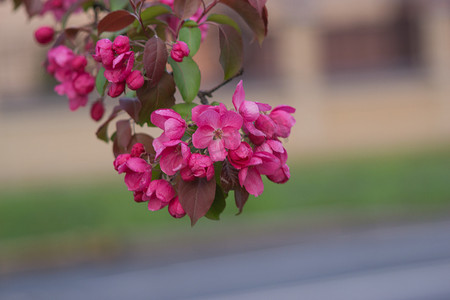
402	262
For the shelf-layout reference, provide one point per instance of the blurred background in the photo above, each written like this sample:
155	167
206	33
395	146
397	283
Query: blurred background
366	214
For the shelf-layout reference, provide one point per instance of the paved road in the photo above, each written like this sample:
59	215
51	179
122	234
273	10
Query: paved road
405	262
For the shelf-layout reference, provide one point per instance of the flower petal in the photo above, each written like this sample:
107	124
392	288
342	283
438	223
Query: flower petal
209	118
231	138
253	182
238	96
231	119
217	150
202	137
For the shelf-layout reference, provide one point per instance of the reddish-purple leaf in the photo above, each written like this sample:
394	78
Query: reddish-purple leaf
256	20
196	197
33	7
123	136
102	131
71	33
132	106
115	21
240	197
186	8
153	98
259	5
231	51
155	59
142	138
229	179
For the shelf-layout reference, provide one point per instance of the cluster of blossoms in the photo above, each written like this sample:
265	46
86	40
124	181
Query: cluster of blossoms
69	69
118	61
246	139
202	154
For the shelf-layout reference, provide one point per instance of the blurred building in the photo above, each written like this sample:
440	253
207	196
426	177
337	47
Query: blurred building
362	73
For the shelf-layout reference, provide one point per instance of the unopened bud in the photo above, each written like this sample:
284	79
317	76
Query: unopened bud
179	50
97	110
121	44
44	35
116	89
135	80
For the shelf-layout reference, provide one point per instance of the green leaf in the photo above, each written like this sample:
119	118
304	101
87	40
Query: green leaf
184	109
100	81
218	205
224	20
155	11
117	4
149	14
192	36
187	77
153	98
231	51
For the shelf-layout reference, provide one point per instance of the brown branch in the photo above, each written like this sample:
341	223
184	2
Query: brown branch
209	93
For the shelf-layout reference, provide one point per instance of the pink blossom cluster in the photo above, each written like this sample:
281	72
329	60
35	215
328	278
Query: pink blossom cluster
247	138
58	7
118	61
69	69
158	193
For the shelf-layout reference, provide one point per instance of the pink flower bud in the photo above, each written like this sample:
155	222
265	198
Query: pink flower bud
44	34
179	50
135	80
121	44
97	110
84	84
175	208
116	89
79	63
199	166
240	157
137	150
104	52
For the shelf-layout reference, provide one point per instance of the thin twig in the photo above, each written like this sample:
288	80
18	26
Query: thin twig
209	93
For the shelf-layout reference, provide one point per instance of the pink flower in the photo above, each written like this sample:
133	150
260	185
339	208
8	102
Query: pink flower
170	121
281	116
44	34
175	208
84	83
199	166
138	174
135	80
282	173
104	52
247	109
179	50
262	163
121	67
158	194
58	7
121	44
120	163
217	132
241	156
78	63
175	157
266	125
97	110
116	89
